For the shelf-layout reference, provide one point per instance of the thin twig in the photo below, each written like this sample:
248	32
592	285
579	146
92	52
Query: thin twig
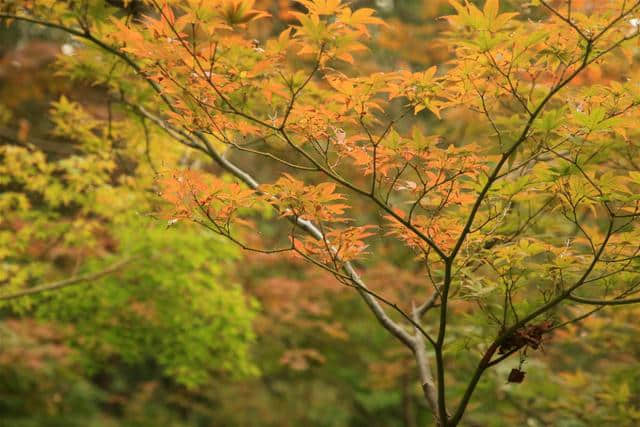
68	282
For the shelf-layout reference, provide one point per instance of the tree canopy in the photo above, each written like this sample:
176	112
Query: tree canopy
216	182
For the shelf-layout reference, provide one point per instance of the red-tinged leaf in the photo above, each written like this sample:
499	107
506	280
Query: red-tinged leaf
167	13
259	68
284	38
327	188
346	57
306	50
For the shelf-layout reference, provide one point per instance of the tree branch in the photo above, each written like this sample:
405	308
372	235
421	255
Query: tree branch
370	299
614	301
424	369
68	282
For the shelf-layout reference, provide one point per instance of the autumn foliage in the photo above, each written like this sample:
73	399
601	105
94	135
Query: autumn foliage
505	175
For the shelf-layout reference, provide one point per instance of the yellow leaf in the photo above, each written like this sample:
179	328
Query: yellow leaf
491	8
458	7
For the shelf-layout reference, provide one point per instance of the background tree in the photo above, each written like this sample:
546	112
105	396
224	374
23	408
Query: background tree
515	220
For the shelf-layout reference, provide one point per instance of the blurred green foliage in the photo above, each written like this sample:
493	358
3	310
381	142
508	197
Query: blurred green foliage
177	337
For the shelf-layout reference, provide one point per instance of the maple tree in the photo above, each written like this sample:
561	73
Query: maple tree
530	219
